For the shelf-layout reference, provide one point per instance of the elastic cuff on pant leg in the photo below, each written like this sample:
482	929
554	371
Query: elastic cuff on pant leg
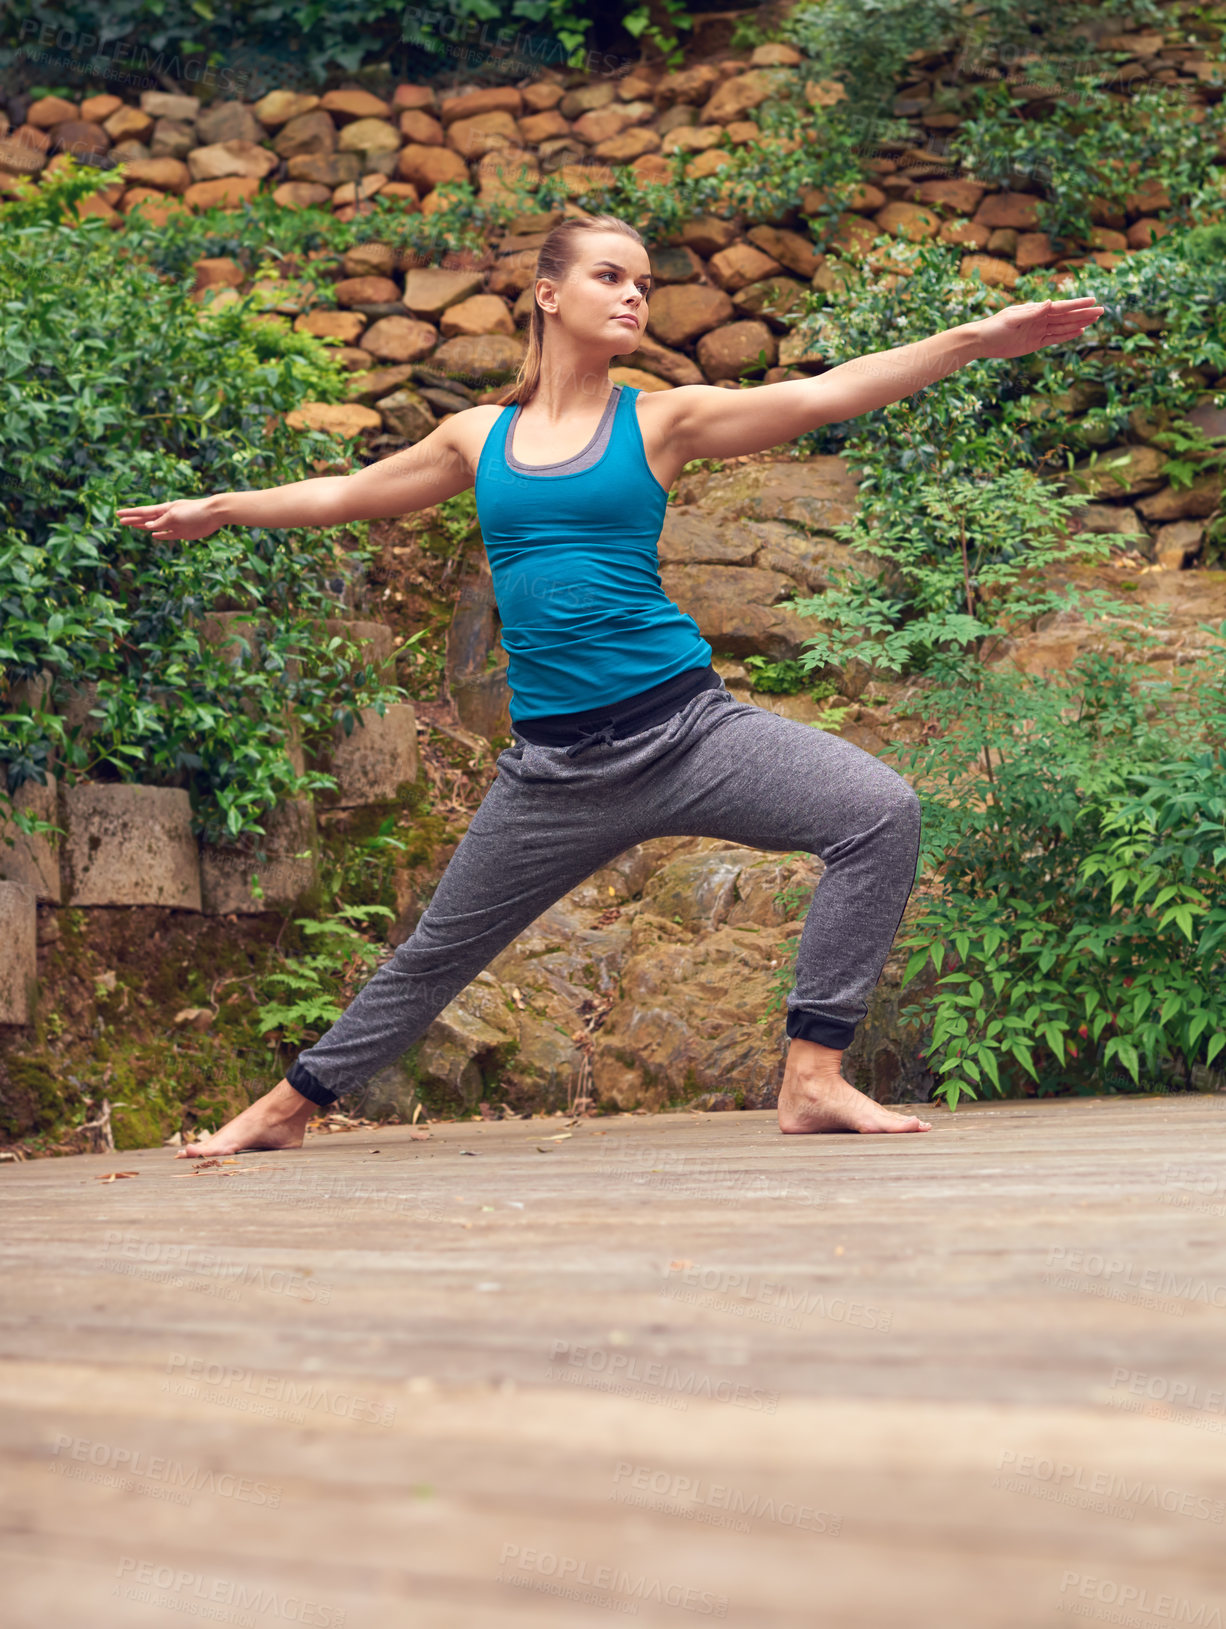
302	1080
805	1026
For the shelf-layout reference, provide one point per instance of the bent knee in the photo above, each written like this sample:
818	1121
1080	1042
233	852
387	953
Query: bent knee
902	802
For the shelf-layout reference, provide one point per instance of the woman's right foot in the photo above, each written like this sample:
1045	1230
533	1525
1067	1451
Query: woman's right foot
276	1120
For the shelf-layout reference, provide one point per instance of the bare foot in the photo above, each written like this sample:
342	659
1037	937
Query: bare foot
828	1103
276	1120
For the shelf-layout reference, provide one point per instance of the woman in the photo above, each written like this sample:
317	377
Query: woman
623	729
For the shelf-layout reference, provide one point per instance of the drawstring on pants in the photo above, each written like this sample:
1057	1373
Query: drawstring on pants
604	733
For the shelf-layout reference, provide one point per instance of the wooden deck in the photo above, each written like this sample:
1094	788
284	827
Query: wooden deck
677	1369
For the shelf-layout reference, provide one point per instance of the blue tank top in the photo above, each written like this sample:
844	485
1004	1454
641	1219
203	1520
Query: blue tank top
575	569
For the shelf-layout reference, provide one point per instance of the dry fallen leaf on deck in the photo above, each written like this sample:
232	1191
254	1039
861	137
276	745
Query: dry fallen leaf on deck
419	1136
560	1138
114	1176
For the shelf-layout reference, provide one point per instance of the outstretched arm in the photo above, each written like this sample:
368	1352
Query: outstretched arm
713	423
414	478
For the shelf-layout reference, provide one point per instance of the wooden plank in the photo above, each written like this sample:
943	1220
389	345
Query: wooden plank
672	1367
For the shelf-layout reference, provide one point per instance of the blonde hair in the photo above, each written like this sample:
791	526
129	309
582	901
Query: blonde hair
554	260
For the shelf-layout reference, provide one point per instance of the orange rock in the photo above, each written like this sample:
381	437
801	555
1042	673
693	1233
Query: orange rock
541	95
1033	250
1102	237
230	192
725	351
345	106
736	96
280	106
995	273
483	133
479	314
853	236
1150	197
301	194
653	167
370	260
580	178
400	339
49	111
708	163
740	265
493	99
1018	209
341	418
960	196
1146	231
637	142
910	221
224	159
354	192
31	136
164	174
18	159
366	291
824	92
342	325
218	272
965	232
636	379
790	249
405	194
419	126
369	136
128	124
681	312
537	127
410	96
429	167
99	108
158	207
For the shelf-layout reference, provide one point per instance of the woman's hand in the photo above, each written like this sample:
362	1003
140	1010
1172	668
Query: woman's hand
181	521
1019	329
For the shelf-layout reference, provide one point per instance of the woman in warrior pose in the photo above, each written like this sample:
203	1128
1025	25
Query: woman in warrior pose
623	730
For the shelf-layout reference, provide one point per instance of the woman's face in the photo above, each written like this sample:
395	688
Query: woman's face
602	300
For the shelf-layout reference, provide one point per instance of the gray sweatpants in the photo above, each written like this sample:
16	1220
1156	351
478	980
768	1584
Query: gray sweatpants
717	768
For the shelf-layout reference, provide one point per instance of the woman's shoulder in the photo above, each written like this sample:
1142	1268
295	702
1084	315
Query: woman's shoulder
467	429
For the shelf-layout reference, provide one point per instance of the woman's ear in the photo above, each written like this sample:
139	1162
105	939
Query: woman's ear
546	294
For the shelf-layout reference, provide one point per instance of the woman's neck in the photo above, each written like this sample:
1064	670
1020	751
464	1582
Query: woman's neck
569	387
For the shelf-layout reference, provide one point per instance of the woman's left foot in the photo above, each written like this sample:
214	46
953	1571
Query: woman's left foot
831	1104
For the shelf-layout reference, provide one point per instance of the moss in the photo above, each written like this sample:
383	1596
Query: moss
30	1098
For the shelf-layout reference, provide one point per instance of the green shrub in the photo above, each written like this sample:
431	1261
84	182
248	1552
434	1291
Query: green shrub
1078	903
119	391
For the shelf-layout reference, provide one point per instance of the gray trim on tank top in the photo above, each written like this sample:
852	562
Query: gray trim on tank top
581	460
